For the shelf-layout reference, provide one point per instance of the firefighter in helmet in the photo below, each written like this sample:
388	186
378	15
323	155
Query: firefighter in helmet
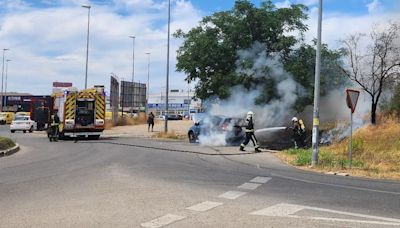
249	128
299	132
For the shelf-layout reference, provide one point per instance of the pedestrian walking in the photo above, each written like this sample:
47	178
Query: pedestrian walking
249	128
150	121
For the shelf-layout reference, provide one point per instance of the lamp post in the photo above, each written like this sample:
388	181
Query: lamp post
148	82
133	71
2	80
87	43
5	89
167	83
315	140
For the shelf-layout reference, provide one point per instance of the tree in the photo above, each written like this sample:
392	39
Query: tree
209	51
372	66
301	64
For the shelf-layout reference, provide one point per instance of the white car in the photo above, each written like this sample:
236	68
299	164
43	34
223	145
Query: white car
22	123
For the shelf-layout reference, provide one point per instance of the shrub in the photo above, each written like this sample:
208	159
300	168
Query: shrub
6	143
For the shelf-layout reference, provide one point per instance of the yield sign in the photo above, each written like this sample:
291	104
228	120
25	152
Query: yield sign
352	98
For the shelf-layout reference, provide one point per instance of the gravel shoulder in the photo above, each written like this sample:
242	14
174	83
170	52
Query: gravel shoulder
179	127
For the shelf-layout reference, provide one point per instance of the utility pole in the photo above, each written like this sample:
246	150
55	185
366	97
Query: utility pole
2	80
315	137
87	43
133	72
148	82
5	87
167	83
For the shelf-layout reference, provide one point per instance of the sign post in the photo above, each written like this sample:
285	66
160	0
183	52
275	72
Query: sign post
351	100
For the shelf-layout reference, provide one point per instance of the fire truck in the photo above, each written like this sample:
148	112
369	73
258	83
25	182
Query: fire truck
81	113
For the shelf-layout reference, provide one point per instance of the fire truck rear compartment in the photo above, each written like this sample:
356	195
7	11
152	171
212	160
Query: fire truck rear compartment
85	112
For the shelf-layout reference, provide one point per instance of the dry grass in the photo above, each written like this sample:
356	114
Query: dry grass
108	124
169	135
376	152
377	147
126	120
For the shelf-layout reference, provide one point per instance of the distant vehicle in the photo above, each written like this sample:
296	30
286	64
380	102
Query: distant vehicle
234	133
22	123
174	117
23	114
6	117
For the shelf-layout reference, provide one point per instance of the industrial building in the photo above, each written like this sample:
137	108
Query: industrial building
180	102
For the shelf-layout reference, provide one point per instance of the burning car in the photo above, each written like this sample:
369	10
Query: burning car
226	130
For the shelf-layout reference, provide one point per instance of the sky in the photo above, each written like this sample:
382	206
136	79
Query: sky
47	38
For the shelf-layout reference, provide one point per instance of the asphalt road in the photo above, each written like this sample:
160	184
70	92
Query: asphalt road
132	182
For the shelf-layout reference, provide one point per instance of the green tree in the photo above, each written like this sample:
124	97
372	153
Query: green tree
209	51
301	64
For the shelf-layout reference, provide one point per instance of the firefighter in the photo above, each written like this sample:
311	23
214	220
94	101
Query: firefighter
54	127
249	128
299	132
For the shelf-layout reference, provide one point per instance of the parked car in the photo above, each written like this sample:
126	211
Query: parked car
231	127
22	123
6	117
175	117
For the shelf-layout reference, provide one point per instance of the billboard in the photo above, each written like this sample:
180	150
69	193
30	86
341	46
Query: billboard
114	98
133	95
62	84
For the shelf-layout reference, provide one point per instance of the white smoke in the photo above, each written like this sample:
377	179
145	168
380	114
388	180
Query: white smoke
334	111
278	110
276	113
214	139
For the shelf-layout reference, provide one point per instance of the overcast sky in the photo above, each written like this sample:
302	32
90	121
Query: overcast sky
47	38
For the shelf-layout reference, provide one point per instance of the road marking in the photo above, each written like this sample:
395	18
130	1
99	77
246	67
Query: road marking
162	221
345	220
249	186
287	210
204	206
281	209
335	185
261	180
232	194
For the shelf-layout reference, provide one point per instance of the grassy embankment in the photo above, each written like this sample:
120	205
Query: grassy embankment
6	143
127	120
376	153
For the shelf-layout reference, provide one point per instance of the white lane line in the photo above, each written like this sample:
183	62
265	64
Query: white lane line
287	210
204	206
249	186
162	221
261	180
345	220
334	185
232	195
281	209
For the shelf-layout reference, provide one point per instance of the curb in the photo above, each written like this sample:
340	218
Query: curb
10	151
337	173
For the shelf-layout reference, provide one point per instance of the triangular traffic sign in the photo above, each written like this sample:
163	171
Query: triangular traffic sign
352	98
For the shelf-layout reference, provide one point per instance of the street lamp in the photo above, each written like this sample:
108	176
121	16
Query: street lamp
5	89
148	81
314	160
167	83
2	80
87	43
133	71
